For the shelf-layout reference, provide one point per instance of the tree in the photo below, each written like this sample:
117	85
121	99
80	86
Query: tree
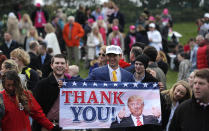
10	5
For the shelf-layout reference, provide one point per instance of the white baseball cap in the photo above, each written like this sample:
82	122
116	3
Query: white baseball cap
114	49
152	25
206	15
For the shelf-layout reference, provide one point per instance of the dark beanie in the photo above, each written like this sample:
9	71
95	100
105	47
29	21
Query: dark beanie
144	59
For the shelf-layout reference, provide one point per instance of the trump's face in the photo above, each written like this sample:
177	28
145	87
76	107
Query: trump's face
136	107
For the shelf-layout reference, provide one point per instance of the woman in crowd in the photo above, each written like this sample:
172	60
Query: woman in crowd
101	61
130	39
116	38
180	92
154	37
12	27
25	25
51	39
31	36
165	17
22	59
94	42
12	65
162	61
18	104
102	28
190	79
115	22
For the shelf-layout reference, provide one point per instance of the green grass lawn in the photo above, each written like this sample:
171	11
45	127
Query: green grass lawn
188	30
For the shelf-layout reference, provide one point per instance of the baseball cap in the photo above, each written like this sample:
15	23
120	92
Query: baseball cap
100	17
132	27
38	5
90	20
152	25
165	11
114	49
206	15
115	27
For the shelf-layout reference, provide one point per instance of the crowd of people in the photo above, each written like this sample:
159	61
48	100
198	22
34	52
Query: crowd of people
33	62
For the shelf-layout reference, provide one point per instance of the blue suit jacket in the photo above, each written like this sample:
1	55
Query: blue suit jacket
102	74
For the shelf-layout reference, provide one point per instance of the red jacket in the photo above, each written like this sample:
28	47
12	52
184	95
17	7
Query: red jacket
76	31
203	57
18	120
123	64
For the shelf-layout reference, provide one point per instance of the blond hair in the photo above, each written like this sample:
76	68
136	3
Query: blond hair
170	92
49	28
27	18
36	33
74	70
10	64
21	55
135	98
103	48
162	56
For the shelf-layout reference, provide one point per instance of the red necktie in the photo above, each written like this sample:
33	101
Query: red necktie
139	123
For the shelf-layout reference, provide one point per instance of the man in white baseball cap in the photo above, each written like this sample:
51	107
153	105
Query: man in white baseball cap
112	71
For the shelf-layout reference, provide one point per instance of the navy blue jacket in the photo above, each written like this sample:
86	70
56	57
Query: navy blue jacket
102	74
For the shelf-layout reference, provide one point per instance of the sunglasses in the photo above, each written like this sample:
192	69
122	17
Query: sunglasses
102	54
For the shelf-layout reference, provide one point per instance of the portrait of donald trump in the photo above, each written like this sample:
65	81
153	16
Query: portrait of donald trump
135	105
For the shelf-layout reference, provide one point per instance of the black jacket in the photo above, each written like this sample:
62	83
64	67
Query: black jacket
46	66
127	42
128	122
149	78
6	51
33	61
190	116
31	76
46	93
142	37
120	17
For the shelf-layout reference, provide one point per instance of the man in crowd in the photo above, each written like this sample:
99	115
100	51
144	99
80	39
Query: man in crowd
136	106
39	18
141	75
44	60
192	115
112	71
193	52
47	91
33	53
72	33
58	32
203	53
8	45
117	14
135	51
151	52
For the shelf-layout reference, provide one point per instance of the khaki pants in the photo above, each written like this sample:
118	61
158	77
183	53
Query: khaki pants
73	52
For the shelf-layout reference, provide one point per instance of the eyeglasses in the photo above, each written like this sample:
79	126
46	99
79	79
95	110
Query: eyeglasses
102	54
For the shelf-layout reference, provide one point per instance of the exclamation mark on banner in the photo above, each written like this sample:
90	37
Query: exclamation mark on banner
113	113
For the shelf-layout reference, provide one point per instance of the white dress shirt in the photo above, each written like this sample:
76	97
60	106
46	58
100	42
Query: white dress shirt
118	73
